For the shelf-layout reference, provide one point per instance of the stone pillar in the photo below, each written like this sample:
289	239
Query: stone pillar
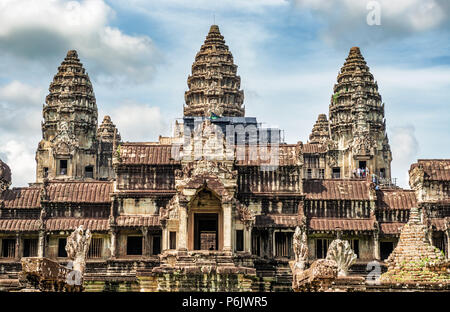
113	247
145	247
376	245
448	243
182	234
16	250
41	244
248	239
227	227
271	244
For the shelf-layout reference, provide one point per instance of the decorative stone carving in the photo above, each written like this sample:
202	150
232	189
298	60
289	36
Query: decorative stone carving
5	176
318	277
246	215
341	252
171	211
300	247
77	248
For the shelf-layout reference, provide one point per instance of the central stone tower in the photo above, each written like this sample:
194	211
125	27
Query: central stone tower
214	84
357	123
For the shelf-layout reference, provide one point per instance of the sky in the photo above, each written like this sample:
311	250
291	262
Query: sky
139	54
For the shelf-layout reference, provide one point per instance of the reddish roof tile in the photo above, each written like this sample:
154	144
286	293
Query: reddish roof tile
326	224
391	227
286	155
27	197
148	154
438	223
314	148
276	220
133	221
337	189
396	199
19	224
80	192
56	224
434	169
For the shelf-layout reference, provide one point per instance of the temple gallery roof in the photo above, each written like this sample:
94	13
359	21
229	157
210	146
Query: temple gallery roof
434	169
337	189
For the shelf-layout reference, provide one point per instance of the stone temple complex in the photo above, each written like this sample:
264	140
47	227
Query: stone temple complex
216	205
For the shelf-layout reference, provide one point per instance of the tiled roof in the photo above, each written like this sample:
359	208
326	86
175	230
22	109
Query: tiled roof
337	189
276	220
256	156
62	224
79	192
327	224
438	223
434	169
132	221
147	154
396	199
19	225
26	197
391	227
314	148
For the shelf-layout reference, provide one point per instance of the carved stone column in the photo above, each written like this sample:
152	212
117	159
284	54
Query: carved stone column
113	247
16	250
271	244
227	227
41	244
448	243
183	232
376	245
248	239
145	249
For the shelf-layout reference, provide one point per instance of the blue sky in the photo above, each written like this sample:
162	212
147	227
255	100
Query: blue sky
139	54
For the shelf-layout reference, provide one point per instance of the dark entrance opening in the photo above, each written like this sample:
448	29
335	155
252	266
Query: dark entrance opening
206	234
386	249
362	164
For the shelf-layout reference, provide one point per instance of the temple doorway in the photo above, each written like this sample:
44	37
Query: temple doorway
206	234
205	222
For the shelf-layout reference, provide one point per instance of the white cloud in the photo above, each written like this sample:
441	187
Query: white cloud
139	122
20	94
346	20
21	160
405	149
40	30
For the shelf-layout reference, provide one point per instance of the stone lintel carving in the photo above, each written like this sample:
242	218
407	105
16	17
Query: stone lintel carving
341	252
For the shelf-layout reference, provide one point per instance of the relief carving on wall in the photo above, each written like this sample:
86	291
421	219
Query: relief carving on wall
246	215
65	142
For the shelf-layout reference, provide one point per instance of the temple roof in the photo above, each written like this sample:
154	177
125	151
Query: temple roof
327	189
214	84
396	199
25	197
434	169
80	192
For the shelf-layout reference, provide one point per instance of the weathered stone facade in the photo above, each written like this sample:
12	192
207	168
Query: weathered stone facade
164	217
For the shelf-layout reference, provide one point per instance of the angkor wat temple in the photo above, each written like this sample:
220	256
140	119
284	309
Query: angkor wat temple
222	196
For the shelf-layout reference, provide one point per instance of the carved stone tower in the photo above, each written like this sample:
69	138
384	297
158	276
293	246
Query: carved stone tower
357	121
214	84
69	145
321	130
5	177
109	139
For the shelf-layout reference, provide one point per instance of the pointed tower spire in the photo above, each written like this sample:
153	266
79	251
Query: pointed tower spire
69	129
5	177
357	116
321	130
214	84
